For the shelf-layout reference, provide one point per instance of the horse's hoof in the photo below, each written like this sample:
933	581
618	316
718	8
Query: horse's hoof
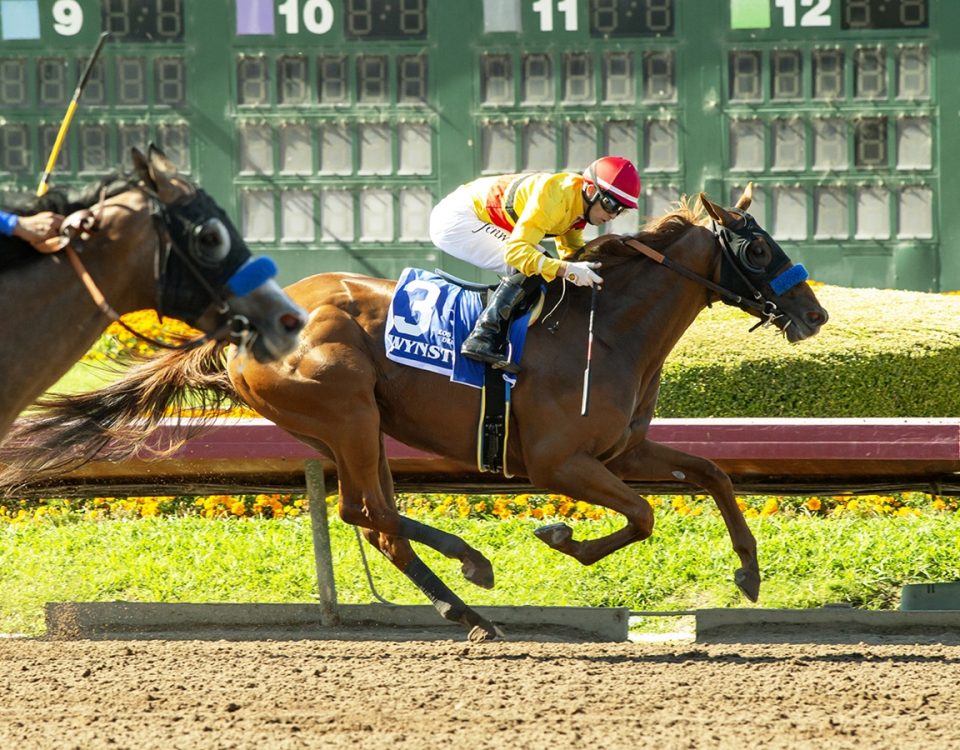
554	535
486	631
748	581
477	569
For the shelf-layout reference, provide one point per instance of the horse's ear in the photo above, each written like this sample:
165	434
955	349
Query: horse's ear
159	173
160	160
141	167
747	198
717	213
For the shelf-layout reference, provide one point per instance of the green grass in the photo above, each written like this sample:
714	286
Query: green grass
883	353
83	376
688	563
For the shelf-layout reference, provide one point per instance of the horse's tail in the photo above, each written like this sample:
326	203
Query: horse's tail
64	432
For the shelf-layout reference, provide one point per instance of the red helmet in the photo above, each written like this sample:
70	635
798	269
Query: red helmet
617	178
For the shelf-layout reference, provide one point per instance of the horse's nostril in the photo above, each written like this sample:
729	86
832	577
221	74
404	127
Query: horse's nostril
817	317
291	322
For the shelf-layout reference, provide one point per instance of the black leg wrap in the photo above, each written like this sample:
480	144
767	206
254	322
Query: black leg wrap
444	543
449	605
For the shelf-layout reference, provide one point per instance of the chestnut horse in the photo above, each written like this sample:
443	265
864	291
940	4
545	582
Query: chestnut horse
159	242
339	393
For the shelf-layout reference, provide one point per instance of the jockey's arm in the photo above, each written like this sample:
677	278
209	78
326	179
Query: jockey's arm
8	223
547	211
35	228
569	243
523	254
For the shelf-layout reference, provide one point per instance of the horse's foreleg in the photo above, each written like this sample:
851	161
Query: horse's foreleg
475	567
652	461
367	501
450	606
584	478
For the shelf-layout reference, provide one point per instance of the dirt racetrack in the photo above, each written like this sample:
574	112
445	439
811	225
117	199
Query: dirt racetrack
441	694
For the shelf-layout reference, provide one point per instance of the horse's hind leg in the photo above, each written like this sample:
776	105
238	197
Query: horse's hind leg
583	477
652	461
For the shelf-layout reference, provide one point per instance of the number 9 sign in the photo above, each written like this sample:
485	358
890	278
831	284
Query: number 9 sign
67	17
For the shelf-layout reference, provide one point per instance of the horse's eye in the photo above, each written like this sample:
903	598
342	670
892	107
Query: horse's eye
212	242
758	253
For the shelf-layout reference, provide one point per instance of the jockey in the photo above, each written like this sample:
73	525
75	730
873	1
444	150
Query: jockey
497	223
34	229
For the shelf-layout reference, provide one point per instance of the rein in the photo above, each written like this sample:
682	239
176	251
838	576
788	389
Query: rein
82	223
759	304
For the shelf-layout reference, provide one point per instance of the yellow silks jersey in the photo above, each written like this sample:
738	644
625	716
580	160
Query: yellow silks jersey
530	207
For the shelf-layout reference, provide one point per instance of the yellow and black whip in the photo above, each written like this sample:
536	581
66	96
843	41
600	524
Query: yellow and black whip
68	117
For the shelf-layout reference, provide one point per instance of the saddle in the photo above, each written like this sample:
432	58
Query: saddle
424	298
532	302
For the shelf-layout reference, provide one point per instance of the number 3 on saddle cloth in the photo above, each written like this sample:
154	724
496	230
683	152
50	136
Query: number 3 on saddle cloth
430	316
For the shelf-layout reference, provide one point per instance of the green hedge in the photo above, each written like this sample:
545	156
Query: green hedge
882	354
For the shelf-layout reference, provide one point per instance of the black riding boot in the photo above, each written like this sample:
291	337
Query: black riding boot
487	341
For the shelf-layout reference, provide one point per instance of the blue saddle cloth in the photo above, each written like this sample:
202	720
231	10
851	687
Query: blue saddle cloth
428	320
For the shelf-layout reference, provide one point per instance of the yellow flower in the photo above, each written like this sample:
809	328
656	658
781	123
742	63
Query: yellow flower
813	504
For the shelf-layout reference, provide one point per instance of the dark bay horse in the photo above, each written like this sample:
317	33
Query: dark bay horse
161	243
339	393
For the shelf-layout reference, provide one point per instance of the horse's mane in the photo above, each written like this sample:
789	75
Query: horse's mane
67	201
17	251
657	233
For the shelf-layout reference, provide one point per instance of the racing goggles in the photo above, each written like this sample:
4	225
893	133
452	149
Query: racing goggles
610	204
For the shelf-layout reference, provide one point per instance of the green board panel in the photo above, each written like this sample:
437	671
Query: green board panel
329	128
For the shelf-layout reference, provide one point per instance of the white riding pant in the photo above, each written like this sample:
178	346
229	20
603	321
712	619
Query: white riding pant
457	230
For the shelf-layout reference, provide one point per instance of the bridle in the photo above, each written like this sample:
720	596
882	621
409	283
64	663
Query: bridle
732	269
173	228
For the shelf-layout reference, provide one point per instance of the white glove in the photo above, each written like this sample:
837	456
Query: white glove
580	273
